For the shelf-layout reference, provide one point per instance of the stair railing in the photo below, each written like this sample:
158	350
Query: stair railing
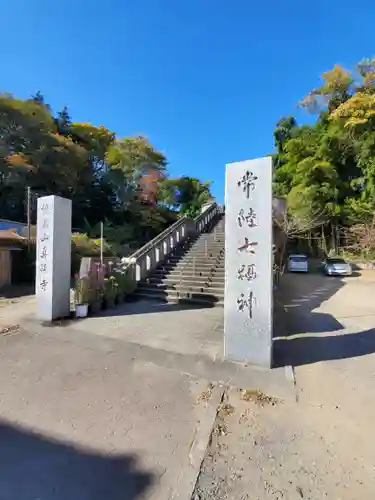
153	253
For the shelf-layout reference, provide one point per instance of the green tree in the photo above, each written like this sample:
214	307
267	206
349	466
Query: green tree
330	164
102	175
130	159
192	194
63	121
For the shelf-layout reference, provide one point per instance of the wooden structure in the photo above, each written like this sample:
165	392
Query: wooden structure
9	242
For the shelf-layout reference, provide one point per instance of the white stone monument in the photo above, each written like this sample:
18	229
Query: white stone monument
248	262
53	257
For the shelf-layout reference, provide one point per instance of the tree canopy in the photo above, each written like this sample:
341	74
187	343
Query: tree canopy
330	165
105	176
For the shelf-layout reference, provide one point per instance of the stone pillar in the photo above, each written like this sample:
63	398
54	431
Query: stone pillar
248	262
53	257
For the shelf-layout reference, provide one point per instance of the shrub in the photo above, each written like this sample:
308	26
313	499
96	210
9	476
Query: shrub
83	246
89	247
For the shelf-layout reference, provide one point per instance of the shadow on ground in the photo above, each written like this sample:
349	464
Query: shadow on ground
149	306
297	298
17	291
294	314
35	467
308	350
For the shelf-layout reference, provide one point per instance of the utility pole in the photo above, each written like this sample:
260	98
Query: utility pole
101	242
28	217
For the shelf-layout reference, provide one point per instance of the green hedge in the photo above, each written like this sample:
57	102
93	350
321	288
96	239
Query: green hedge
83	246
24	261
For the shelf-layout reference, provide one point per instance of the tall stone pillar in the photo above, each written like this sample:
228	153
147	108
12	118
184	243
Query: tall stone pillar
248	262
53	257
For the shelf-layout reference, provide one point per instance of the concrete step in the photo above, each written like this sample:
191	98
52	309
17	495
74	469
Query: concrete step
192	258
203	300
220	241
216	281
204	266
183	288
197	267
195	280
175	274
188	281
203	252
190	270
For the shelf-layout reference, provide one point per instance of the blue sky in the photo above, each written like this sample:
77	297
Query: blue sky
204	80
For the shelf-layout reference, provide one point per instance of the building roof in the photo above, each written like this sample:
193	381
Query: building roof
10	235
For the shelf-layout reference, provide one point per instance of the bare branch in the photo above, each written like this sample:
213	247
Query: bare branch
360	238
298	226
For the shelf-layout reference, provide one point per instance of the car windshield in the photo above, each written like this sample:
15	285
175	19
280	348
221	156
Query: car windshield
336	261
298	258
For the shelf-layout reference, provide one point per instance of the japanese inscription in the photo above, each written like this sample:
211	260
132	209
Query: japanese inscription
53	256
45	208
43	237
246	303
247	182
43	284
248	246
43	254
249	218
248	261
246	272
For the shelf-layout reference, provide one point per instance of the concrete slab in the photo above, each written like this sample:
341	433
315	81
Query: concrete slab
171	327
321	445
81	423
119	406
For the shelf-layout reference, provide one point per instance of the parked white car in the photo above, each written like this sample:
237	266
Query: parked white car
298	263
336	266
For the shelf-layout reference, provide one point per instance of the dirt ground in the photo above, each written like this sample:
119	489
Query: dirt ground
322	445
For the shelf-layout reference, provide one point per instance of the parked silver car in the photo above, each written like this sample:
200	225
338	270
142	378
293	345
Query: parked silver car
336	266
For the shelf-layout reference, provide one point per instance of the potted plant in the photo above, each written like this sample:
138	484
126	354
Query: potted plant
110	292
119	277
81	297
96	299
125	275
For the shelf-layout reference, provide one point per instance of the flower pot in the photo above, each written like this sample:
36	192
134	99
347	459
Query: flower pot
82	310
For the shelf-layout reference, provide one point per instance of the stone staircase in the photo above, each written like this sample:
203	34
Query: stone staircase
194	272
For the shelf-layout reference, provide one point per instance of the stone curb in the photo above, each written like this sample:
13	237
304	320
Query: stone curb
190	472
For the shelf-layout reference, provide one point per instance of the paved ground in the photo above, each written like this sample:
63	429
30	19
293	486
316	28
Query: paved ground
119	406
322	445
122	406
14	303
